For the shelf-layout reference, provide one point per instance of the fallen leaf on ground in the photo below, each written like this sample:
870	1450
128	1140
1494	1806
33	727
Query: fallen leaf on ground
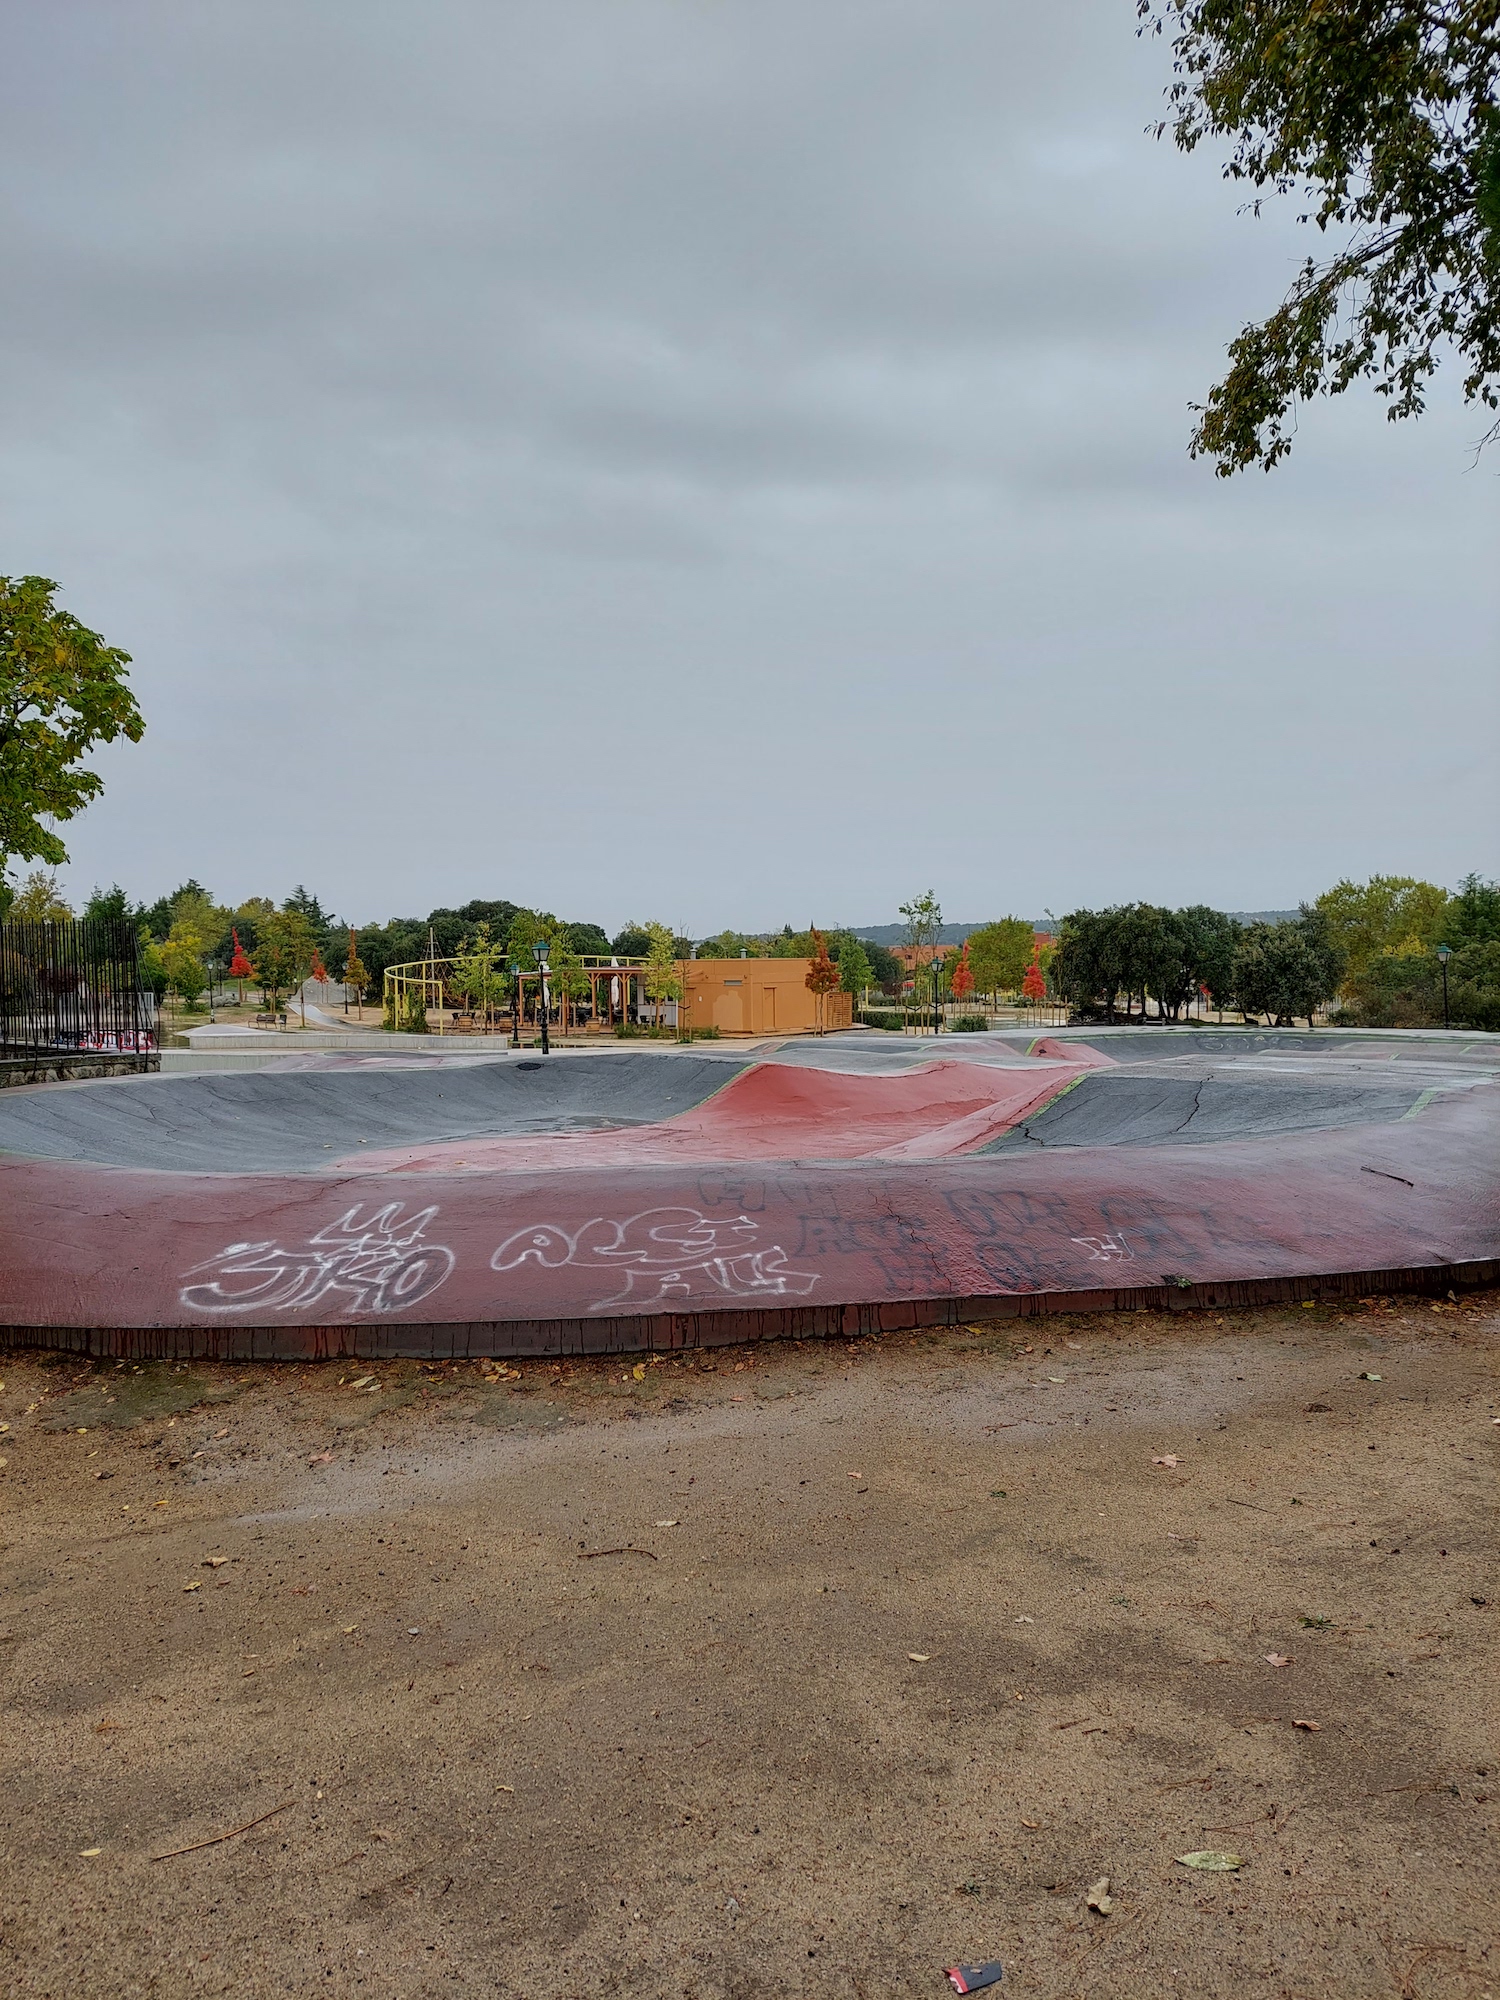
363	1382
221	1434
320	1458
88	1853
1169	1458
1099	1898
1367	1377
920	1658
639	1371
1033	1824
1278	1659
1301	1722
196	1585
214	1562
665	1524
1211	1858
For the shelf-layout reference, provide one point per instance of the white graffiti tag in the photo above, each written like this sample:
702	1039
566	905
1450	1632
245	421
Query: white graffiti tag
1106	1249
379	1265
663	1254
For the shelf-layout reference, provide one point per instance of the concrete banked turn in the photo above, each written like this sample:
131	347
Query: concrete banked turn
670	1196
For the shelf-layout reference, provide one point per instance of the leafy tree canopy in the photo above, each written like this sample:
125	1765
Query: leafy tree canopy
924	919
999	954
1381	117
40	899
855	970
110	903
1386	916
62	690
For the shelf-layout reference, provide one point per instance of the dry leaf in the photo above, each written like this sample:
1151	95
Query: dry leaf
1099	1898
1211	1858
320	1458
1278	1659
221	1434
665	1524
1169	1458
214	1562
1301	1722
197	1585
920	1658
1033	1824
639	1371
88	1853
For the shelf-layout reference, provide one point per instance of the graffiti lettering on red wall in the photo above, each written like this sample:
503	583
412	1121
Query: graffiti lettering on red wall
376	1266
1106	1249
663	1254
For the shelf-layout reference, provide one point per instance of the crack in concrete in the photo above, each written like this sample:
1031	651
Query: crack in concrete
1197	1100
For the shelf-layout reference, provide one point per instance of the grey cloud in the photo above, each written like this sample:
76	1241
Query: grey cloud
727	462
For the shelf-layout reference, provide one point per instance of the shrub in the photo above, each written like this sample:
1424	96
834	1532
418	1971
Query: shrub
881	1018
414	1012
970	1024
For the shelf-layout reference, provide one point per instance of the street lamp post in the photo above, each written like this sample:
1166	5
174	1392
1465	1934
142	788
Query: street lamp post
541	980
937	988
515	1006
1445	952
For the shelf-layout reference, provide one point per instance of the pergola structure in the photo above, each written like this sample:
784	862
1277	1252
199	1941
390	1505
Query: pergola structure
431	978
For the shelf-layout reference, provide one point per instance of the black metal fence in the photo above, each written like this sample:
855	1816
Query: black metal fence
73	987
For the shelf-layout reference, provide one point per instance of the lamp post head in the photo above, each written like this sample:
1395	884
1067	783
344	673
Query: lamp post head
515	971
1444	952
539	952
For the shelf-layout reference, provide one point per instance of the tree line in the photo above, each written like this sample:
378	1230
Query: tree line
1369	951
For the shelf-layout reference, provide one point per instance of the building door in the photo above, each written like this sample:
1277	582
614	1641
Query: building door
729	1009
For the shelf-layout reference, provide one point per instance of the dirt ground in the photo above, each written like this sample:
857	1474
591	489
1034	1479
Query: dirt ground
811	1669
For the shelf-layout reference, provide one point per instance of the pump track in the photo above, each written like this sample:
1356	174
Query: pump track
353	1204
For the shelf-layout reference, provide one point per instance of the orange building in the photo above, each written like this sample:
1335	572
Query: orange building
913	955
757	996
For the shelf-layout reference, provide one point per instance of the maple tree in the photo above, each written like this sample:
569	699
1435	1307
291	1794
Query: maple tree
822	974
1034	985
962	982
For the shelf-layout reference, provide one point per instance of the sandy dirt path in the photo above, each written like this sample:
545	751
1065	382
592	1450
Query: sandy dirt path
804	1670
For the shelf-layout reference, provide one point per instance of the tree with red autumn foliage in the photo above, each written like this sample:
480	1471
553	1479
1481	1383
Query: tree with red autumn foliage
1034	985
822	975
962	982
240	967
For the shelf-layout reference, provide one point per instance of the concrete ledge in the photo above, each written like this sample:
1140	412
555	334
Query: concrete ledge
71	1066
648	1333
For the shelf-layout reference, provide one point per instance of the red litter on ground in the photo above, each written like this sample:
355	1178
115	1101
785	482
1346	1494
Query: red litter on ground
973	1978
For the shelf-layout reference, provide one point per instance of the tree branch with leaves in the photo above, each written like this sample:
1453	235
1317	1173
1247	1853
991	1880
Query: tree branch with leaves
1383	118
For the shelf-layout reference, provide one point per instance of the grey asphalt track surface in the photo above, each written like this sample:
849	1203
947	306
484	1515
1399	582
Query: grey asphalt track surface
1118	1108
1160	1088
262	1122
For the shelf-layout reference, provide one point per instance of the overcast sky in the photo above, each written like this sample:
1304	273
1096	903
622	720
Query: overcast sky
722	461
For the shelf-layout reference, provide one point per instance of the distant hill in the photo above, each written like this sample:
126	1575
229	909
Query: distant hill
894	934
